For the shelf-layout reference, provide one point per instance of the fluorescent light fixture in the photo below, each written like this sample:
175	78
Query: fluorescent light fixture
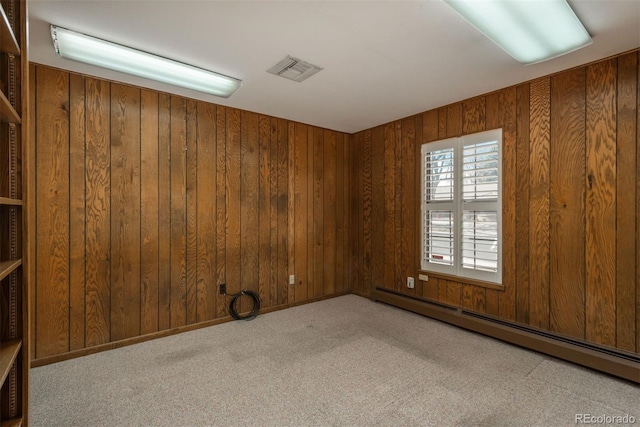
529	30
94	51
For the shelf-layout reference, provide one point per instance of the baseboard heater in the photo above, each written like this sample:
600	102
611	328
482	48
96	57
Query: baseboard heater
611	361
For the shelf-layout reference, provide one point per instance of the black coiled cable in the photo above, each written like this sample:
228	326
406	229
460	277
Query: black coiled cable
254	311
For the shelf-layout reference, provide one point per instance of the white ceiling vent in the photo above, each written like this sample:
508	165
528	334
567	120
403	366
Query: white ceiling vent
294	69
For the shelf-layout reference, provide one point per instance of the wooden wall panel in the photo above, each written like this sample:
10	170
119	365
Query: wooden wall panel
567	211
233	200
601	203
626	196
125	212
341	215
539	203
309	291
191	211
397	232
164	211
284	214
522	203
474	115
408	201
52	250
249	189
367	201
377	207
272	142
570	202
292	201
149	212
97	211
356	217
415	148
298	134
148	202
178	234
221	208
389	206
329	213
77	207
206	213
318	213
266	226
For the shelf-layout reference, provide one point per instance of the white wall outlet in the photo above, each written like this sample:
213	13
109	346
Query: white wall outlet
423	277
292	279
410	282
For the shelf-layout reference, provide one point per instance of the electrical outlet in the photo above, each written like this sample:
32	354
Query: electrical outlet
423	277
223	289
410	283
292	279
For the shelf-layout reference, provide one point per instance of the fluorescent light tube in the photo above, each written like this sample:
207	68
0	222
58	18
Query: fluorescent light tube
529	30
94	51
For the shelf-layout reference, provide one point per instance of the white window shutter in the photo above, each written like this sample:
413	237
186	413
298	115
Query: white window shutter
461	229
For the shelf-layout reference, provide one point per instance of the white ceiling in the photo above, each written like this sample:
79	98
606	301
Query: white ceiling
382	60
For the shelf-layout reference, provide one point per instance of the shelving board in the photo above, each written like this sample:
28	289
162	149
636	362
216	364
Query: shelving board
6	201
8	41
6	267
15	422
8	353
7	113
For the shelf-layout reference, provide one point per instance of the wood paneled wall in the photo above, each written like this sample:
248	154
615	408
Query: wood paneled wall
147	202
571	235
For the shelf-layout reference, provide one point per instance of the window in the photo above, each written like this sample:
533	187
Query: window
462	206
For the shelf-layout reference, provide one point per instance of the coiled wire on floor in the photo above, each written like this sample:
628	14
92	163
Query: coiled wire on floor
254	311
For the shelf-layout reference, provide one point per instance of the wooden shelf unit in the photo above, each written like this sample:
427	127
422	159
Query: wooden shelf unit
8	42
8	354
14	150
8	114
7	201
8	267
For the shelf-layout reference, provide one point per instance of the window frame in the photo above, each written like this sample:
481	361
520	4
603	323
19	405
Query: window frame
459	206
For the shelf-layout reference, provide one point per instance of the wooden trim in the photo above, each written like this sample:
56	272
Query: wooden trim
28	214
35	363
8	354
8	42
6	201
7	267
611	361
463	280
7	113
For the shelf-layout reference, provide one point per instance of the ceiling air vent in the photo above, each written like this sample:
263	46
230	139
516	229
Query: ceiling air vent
294	69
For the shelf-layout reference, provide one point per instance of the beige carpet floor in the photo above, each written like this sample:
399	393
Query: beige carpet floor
341	362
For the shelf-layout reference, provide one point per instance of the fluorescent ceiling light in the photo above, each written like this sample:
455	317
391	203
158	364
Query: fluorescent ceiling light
94	51
529	30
